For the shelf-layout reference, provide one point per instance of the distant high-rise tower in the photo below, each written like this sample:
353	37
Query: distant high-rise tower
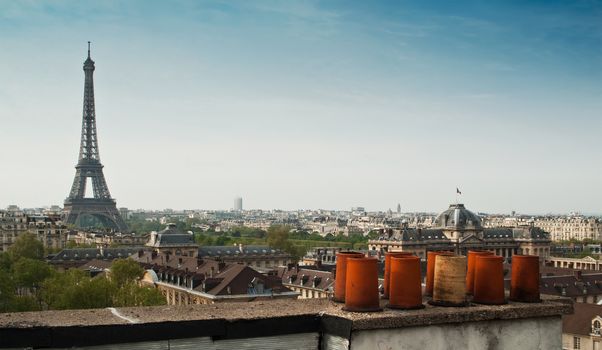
101	206
238	204
398	208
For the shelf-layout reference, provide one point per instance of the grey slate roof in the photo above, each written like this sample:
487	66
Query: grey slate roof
214	251
498	233
171	236
94	253
412	234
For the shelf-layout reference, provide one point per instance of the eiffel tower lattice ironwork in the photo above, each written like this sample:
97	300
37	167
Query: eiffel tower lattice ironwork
101	206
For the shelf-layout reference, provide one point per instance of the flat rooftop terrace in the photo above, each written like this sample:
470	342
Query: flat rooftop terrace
320	318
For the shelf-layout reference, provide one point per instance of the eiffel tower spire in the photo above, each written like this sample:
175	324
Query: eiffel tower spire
101	206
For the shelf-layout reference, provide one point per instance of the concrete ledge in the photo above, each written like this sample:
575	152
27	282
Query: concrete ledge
239	320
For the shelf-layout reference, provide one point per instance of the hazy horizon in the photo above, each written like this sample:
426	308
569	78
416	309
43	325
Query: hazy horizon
308	104
368	210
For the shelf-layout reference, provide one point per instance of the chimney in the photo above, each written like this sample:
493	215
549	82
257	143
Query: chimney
221	266
154	254
140	253
578	274
167	257
211	272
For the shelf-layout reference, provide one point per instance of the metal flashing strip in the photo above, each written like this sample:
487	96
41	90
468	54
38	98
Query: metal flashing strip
128	319
225	297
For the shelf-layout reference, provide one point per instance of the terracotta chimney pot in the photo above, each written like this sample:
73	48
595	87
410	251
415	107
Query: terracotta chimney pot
489	280
470	272
387	280
524	282
361	285
405	289
341	274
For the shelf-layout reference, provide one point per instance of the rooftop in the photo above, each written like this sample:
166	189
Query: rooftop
242	320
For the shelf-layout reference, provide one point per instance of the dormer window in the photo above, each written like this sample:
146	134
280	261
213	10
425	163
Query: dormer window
596	327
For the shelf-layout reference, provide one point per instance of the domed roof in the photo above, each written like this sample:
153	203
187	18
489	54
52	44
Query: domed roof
458	217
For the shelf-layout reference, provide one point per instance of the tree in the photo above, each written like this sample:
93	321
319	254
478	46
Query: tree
374	234
134	295
5	262
22	303
278	237
74	289
125	271
223	240
7	291
58	291
30	273
26	246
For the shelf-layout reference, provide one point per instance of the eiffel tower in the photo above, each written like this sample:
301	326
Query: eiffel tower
101	207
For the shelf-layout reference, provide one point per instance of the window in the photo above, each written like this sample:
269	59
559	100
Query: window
576	343
596	327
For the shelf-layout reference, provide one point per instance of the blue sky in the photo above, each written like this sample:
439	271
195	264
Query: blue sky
308	104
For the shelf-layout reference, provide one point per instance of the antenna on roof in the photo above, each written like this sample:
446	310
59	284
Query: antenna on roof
88	49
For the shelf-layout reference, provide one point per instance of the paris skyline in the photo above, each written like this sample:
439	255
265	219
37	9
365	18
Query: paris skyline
308	104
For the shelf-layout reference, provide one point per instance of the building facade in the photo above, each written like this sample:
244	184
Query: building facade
48	229
53	235
459	230
13	222
586	263
238	204
566	228
560	228
106	239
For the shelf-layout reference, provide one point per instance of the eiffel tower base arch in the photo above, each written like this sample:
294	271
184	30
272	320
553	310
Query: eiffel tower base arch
104	210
